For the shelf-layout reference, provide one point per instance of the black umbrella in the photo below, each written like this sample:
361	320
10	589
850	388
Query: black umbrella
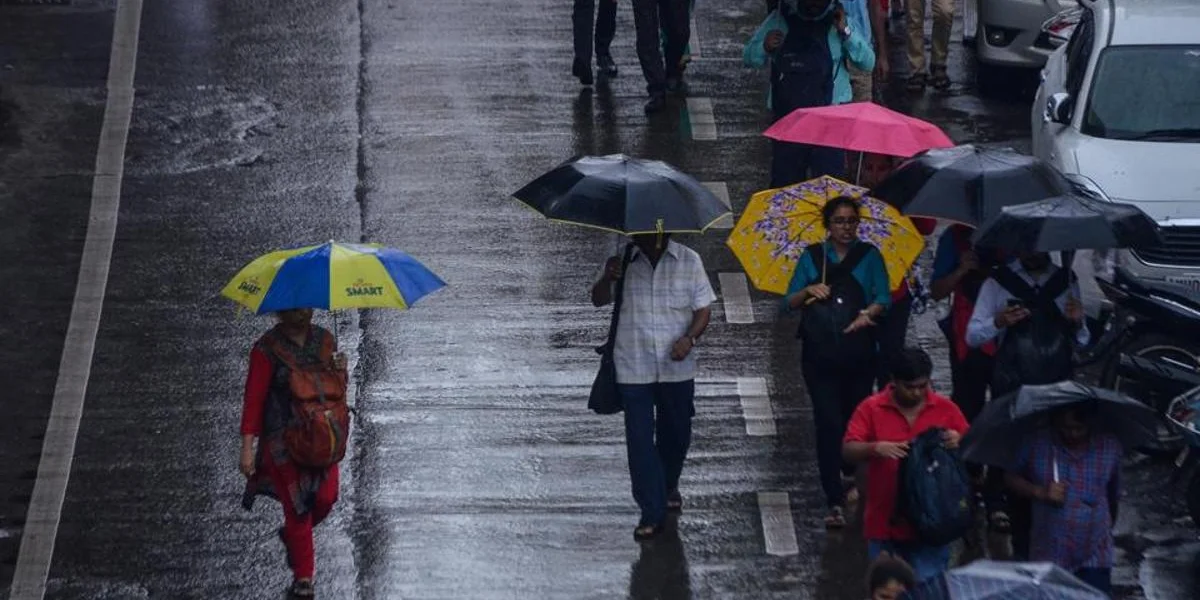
624	195
968	184
995	435
1071	222
997	580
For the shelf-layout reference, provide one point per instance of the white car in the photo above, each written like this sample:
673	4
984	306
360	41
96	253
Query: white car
1119	104
1009	34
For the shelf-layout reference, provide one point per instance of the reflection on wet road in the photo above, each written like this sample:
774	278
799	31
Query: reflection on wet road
476	471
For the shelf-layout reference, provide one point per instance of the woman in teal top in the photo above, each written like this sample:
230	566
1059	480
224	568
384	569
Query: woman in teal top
839	351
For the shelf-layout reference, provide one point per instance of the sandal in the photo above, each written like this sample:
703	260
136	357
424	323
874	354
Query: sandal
302	588
646	532
940	80
675	502
852	496
998	522
836	519
916	82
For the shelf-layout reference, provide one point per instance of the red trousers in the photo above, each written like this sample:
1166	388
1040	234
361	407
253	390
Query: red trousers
298	529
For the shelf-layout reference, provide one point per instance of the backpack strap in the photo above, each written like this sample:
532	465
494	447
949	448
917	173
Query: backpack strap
618	298
845	267
1014	284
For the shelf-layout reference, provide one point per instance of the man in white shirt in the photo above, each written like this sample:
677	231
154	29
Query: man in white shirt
664	310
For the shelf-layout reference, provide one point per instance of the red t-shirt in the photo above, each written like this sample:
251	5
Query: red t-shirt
878	419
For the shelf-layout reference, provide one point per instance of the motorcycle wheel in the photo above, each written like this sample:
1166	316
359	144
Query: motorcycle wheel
1153	346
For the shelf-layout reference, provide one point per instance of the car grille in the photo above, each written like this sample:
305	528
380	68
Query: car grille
1181	246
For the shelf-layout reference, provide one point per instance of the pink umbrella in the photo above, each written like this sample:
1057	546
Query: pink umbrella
860	127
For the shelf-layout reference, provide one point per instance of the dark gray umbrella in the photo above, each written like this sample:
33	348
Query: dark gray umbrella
996	580
1071	222
995	434
624	195
968	184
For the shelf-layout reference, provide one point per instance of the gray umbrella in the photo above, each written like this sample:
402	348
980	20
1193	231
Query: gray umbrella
1071	222
996	580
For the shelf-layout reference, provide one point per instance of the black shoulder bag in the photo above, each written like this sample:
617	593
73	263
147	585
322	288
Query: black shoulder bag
605	398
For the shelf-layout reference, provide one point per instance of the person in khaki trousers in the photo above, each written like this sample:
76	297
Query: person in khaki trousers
943	18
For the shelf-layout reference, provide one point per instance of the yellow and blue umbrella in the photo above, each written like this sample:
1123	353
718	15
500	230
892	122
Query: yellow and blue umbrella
332	276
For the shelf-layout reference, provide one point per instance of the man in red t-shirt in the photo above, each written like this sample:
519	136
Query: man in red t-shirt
879	434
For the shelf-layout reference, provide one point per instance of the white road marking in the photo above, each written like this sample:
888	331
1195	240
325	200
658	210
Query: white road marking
779	532
694	43
700	115
721	191
756	406
58	449
736	294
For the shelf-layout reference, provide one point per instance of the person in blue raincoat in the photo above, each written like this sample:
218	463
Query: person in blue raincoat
807	44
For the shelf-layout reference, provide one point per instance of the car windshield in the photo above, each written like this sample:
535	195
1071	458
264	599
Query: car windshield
1146	93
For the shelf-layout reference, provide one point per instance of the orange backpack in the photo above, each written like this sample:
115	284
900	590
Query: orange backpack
317	433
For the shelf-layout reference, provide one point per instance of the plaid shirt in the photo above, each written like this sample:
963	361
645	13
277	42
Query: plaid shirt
1077	535
656	311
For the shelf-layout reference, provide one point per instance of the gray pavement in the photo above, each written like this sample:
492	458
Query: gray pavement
476	471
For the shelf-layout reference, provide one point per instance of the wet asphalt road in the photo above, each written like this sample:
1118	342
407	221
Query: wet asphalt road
475	472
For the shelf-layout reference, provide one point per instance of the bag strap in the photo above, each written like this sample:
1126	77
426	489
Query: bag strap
842	269
1014	284
618	298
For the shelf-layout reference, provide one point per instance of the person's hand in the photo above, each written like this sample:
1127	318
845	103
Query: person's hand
1011	316
1074	310
951	438
861	322
883	68
773	41
896	450
339	361
681	349
839	18
246	464
969	261
1055	493
612	268
820	291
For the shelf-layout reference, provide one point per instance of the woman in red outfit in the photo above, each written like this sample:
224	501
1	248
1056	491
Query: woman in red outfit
306	494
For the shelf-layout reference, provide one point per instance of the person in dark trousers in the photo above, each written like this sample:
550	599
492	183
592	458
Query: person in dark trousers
665	302
653	18
584	18
807	44
1072	476
959	270
1030	308
841	288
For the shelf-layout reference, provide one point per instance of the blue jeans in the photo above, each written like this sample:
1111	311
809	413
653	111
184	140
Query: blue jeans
658	431
926	561
1098	578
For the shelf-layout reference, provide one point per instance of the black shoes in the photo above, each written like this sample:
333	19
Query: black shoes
583	71
656	103
606	65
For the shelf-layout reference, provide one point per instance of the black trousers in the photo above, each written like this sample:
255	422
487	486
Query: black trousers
793	163
835	392
585	18
893	332
651	18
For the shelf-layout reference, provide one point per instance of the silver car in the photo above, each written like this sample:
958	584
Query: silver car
1120	105
1009	33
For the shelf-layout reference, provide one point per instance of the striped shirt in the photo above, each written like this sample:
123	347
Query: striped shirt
1077	535
656	311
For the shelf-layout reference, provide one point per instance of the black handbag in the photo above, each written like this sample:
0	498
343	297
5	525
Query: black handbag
605	398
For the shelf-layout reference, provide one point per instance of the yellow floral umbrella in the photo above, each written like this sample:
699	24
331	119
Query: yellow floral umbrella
779	223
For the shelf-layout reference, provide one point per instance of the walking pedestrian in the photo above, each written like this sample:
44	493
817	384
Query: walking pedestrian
943	19
600	15
1030	308
663	73
841	288
959	271
1072	475
869	17
878	435
888	578
808	43
664	311
271	418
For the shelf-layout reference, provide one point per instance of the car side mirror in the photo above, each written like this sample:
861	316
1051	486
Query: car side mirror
1058	109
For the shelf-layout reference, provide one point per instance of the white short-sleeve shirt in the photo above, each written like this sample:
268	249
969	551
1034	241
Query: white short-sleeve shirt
656	310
